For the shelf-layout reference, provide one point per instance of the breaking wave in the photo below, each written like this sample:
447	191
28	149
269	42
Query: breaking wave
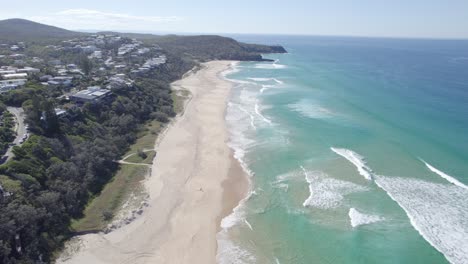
266	80
310	110
271	66
357	160
437	211
326	192
258	112
357	218
445	176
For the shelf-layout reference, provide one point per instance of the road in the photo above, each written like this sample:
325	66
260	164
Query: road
20	130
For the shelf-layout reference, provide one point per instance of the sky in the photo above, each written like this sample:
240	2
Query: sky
371	18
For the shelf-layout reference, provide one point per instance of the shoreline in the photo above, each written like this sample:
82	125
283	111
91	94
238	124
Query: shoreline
195	182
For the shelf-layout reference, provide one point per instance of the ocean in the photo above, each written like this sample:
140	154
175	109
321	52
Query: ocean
357	152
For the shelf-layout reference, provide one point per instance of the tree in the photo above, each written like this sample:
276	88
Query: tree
142	154
86	65
50	119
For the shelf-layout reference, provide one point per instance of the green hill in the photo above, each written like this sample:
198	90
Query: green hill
199	48
209	47
24	30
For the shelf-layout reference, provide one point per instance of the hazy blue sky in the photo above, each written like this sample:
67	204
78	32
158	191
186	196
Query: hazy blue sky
404	18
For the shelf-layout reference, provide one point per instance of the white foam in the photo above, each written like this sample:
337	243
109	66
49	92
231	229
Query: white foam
252	118
282	186
258	112
269	66
266	80
278	81
265	87
231	253
248	224
234	67
228	251
356	159
357	218
260	79
310	109
439	212
326	192
445	176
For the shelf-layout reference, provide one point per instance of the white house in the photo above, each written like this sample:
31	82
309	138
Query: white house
15	76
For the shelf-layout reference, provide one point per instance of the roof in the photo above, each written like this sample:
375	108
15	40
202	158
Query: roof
15	75
92	93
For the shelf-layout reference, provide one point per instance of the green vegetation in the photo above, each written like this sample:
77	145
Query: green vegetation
124	183
146	137
205	48
101	209
180	97
144	157
7	135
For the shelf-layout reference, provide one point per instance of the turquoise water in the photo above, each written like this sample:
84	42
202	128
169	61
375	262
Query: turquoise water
357	150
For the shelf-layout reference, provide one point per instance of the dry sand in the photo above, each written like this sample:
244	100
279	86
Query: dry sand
195	182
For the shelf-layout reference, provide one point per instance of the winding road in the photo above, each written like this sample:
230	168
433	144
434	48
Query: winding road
20	130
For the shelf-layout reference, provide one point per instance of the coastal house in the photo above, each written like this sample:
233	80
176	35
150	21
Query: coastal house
3	192
118	82
60	112
9	71
37	60
93	94
60	80
28	70
96	55
89	49
45	78
154	62
7	85
15	76
55	62
17	56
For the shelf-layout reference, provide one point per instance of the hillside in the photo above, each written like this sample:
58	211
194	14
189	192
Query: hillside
25	30
215	47
208	47
198	48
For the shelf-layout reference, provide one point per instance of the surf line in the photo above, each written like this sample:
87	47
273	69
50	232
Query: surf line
442	174
357	160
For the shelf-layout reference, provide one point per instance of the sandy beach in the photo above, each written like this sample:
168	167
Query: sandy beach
195	182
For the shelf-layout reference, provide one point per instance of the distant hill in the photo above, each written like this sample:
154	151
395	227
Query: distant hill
209	47
24	30
199	48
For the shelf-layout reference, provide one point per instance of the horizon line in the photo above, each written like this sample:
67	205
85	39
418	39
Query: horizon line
238	33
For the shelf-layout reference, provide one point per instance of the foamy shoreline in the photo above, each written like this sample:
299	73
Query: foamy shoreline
195	183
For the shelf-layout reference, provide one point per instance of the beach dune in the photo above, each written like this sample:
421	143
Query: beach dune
194	183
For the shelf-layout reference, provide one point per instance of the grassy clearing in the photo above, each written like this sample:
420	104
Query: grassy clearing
137	159
125	182
146	137
179	97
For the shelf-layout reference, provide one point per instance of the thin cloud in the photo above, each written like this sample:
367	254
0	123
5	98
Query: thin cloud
94	19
